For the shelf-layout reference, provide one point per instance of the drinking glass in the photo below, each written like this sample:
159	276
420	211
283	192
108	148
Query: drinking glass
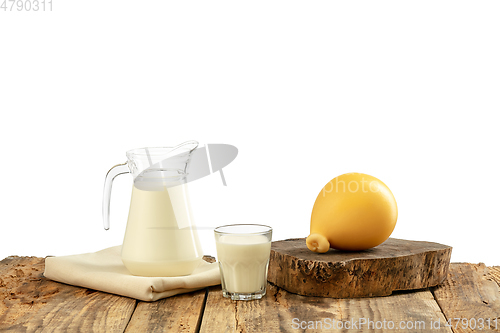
243	252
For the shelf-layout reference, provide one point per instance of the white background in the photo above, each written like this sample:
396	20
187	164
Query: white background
408	92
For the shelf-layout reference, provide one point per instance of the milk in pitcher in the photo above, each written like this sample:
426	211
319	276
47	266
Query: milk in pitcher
159	233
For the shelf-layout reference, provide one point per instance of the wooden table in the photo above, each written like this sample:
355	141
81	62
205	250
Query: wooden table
30	303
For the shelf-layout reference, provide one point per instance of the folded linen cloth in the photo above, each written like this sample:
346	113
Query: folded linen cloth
104	271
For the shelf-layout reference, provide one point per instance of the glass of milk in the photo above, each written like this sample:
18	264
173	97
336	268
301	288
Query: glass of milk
243	253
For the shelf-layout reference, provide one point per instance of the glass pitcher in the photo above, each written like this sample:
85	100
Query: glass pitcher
160	238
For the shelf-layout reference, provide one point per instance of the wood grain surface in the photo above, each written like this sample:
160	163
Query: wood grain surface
31	303
470	298
394	265
281	311
181	313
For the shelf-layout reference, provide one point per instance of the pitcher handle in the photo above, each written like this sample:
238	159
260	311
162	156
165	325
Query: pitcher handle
118	169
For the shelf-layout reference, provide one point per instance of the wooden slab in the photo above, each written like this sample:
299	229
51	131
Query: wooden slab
394	265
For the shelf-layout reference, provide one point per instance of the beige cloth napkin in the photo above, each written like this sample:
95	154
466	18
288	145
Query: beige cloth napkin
104	271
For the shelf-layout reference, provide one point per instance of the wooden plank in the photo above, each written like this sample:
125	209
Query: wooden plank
396	264
470	297
281	311
220	313
32	303
180	313
494	274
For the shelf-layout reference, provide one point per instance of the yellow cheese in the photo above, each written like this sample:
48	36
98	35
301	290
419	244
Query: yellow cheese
352	212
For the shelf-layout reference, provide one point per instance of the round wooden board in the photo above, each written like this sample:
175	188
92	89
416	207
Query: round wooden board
396	264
